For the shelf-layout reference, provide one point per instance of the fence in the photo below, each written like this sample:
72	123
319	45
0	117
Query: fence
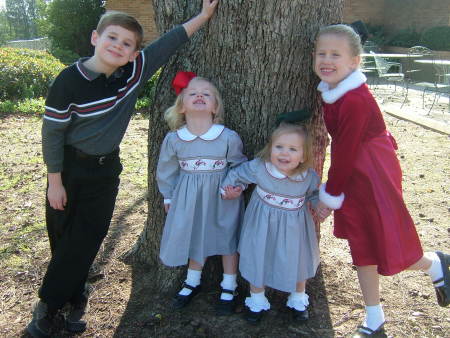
40	44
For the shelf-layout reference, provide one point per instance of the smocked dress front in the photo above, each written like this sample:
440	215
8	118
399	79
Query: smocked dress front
278	244
189	174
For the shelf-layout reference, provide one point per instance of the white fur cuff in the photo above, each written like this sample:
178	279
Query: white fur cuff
333	202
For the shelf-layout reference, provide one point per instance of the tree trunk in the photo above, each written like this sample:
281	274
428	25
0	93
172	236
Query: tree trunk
259	54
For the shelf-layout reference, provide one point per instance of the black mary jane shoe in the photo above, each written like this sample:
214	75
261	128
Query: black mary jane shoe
363	331
252	317
300	316
180	301
226	307
443	292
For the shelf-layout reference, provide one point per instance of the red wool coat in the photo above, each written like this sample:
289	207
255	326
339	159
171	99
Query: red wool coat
364	180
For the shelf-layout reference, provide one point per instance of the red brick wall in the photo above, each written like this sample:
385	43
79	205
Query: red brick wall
142	10
393	14
368	11
416	14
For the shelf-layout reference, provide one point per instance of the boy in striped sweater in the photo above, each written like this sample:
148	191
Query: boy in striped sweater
87	111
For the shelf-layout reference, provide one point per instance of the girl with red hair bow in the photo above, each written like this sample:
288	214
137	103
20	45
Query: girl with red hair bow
194	159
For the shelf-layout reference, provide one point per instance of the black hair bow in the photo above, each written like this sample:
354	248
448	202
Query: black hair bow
293	116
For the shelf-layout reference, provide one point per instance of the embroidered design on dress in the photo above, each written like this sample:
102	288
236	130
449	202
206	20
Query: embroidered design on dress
202	164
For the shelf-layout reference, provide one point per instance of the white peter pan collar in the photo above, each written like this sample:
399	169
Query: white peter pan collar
213	133
273	171
354	80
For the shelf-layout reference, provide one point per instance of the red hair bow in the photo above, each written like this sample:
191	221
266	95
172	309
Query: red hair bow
181	81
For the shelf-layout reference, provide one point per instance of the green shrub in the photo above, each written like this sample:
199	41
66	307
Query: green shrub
377	34
64	55
26	73
27	106
405	38
147	94
437	38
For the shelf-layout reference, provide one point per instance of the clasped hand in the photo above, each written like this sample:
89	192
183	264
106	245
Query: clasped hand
230	192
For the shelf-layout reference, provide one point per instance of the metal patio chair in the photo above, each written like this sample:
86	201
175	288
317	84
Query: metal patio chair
383	67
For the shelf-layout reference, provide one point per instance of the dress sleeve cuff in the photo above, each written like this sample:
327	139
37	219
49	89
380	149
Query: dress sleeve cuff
167	201
333	202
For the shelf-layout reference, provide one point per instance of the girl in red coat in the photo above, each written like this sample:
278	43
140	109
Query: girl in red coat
364	179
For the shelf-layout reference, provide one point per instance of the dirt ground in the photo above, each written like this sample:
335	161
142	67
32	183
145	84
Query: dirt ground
122	304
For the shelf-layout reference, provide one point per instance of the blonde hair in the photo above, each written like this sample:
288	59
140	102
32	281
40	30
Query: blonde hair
289	128
346	31
123	20
174	116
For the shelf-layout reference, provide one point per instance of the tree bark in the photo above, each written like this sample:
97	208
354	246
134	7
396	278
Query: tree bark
259	54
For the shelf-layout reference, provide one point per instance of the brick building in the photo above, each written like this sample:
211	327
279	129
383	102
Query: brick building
394	15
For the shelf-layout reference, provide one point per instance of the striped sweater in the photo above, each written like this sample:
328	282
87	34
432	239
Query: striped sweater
91	112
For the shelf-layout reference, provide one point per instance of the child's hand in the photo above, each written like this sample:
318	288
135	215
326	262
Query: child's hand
323	211
209	6
231	192
166	207
56	192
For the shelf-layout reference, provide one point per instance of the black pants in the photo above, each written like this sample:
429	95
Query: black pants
77	232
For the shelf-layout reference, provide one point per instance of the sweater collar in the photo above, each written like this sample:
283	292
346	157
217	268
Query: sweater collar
91	75
353	81
213	133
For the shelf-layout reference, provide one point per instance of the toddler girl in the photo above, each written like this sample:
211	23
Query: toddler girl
278	244
194	159
364	179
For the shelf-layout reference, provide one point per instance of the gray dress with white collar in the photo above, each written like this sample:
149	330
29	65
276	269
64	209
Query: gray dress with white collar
190	172
278	244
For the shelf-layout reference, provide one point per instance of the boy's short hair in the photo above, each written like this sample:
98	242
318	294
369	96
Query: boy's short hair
124	20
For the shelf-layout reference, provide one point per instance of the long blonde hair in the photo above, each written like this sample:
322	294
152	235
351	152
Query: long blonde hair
174	116
290	128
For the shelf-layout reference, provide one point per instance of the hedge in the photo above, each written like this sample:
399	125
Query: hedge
26	73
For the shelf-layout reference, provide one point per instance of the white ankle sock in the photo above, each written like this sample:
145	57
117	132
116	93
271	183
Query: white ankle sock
229	283
298	301
192	279
257	302
435	271
374	317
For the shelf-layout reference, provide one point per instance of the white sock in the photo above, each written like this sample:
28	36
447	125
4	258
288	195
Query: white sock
374	317
257	302
229	283
435	271
192	279
298	301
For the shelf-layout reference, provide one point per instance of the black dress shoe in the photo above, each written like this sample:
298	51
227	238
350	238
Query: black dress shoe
363	331
253	317
180	301
300	316
76	318
42	323
226	307
443	292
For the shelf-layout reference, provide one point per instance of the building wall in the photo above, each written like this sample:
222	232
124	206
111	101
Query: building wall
142	10
368	11
416	14
393	14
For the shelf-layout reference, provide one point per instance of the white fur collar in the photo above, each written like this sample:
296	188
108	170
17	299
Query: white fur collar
354	80
211	134
273	171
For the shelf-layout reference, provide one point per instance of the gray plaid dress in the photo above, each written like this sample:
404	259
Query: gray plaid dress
278	244
190	172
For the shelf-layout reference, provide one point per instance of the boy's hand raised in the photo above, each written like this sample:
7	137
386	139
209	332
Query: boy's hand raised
209	6
193	25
